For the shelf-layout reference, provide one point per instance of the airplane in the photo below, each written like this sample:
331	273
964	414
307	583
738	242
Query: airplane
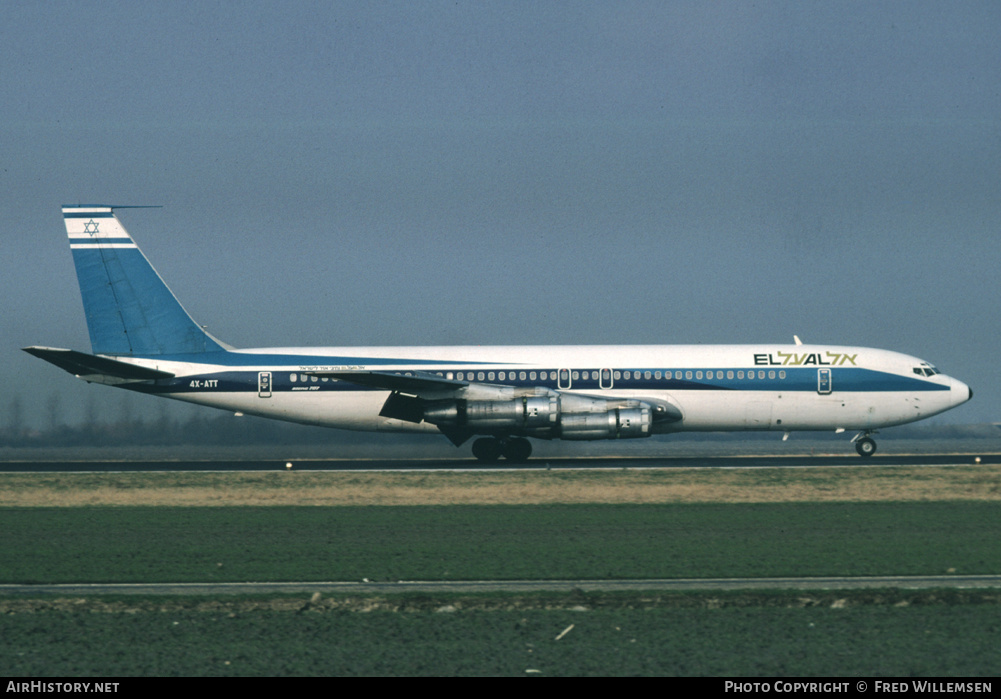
143	340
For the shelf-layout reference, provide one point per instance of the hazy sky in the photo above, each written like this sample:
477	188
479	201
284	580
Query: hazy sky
383	173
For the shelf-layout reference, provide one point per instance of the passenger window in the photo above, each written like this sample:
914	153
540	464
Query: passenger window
531	375
782	374
479	376
688	374
771	374
740	374
668	375
293	378
729	374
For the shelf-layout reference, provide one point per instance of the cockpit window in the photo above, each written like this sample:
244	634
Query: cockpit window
925	370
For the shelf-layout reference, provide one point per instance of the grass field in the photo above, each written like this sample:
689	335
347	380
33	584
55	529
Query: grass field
530	487
618	524
484	542
705	636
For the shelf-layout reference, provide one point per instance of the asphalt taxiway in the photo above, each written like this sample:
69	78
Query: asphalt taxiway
314	464
906	582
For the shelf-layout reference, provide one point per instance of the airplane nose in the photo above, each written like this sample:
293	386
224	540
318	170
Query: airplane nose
961	392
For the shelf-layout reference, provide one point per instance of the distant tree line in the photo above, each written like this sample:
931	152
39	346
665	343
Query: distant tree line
132	427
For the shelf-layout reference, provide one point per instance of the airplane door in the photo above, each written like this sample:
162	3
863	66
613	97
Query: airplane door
606	378
264	384
564	378
824	381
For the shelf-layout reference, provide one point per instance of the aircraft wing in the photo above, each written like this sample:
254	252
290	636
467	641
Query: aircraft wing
412	383
89	366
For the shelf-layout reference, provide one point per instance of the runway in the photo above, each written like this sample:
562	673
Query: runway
514	586
568	463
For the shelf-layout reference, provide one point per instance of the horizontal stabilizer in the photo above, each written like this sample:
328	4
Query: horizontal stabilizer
86	365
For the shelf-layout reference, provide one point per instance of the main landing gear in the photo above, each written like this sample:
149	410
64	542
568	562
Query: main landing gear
864	444
515	449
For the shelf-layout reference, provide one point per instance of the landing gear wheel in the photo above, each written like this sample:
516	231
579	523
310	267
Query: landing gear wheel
517	450
487	449
865	447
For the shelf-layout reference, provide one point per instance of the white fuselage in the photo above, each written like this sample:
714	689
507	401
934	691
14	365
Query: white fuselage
715	387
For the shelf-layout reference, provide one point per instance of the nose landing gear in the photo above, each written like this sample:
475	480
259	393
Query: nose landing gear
864	444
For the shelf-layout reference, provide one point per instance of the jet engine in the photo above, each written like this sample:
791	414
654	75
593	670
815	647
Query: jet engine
554	415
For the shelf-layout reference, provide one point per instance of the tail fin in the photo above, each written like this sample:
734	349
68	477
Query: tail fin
130	311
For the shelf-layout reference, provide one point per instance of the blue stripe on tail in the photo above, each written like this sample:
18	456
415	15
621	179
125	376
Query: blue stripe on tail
130	311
